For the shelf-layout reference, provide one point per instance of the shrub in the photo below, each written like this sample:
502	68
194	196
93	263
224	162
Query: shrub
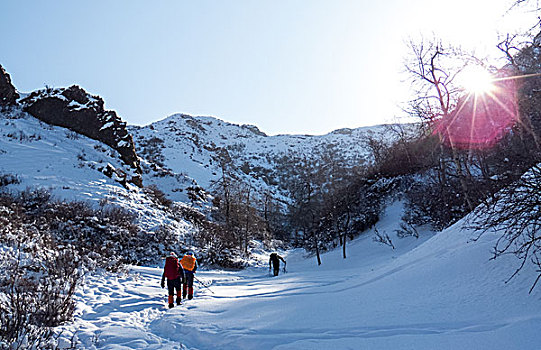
37	281
157	196
8	179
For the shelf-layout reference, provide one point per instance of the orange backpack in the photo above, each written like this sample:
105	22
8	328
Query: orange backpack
188	262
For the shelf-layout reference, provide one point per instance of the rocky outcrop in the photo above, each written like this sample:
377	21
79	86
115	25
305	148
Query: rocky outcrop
8	94
254	129
75	109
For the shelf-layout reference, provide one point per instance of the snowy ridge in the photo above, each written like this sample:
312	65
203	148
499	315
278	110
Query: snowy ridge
195	146
72	167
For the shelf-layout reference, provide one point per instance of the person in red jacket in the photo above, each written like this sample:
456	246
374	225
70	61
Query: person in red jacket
175	277
189	264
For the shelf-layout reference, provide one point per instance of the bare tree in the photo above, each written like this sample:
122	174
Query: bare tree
346	203
305	213
433	67
535	5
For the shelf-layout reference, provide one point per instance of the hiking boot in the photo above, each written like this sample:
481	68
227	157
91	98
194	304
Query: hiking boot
190	296
171	305
179	300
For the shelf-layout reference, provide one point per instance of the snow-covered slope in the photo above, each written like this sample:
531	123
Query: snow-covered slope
440	291
71	167
196	148
177	153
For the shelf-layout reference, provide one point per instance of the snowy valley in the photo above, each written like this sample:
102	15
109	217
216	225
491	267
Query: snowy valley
420	272
441	291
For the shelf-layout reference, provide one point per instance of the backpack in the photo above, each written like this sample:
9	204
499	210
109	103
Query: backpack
188	262
171	268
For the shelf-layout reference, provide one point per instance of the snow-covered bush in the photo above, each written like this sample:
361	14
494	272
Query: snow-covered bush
215	243
151	150
157	196
217	246
36	294
45	247
8	179
38	277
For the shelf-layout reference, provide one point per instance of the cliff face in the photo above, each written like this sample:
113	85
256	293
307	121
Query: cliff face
77	110
8	94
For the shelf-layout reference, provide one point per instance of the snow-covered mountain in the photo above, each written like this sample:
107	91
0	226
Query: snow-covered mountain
64	140
195	150
70	166
178	153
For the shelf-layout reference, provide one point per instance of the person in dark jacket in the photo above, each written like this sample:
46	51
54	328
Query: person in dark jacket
189	264
175	278
275	261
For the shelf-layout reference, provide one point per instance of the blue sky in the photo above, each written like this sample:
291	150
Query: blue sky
295	66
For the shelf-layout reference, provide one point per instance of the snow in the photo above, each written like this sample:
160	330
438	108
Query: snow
191	145
441	291
67	165
107	125
74	105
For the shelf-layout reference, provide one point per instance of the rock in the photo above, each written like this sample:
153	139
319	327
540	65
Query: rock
77	110
120	176
8	93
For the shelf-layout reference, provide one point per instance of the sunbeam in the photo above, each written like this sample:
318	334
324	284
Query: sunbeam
483	116
476	80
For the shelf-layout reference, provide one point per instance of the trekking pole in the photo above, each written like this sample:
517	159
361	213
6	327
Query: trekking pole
202	284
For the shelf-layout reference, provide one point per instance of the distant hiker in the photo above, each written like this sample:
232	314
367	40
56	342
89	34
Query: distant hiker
189	264
275	261
175	277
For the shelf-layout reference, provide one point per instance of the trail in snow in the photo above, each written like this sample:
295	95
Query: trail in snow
437	292
114	311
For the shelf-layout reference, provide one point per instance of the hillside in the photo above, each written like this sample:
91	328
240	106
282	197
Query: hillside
199	148
72	167
87	153
176	153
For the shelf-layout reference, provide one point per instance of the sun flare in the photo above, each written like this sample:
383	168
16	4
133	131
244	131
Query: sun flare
477	80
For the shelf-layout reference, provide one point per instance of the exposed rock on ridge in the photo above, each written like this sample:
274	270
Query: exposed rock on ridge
75	109
8	94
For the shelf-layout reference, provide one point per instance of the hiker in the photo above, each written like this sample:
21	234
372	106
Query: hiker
275	260
189	264
175	277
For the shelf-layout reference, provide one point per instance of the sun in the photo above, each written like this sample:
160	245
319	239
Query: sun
476	80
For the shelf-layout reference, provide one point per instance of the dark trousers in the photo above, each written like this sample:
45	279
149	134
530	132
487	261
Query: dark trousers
188	284
171	286
174	284
276	267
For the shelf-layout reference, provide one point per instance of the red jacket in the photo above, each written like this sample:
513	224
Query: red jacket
172	269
